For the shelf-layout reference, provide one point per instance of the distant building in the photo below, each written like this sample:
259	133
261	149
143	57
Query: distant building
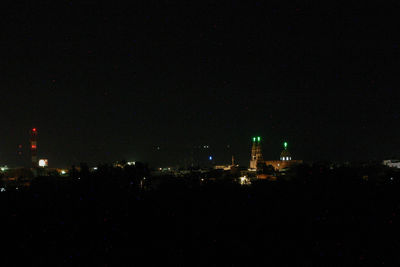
257	162
285	161
33	142
227	167
256	153
285	154
392	163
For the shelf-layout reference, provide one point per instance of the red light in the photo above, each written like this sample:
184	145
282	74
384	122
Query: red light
34	129
33	146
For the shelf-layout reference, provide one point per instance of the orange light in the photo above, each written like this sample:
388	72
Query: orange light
33	146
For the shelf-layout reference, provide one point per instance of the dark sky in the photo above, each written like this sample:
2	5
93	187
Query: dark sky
103	82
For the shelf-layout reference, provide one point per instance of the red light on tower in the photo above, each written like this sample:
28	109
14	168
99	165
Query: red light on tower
33	141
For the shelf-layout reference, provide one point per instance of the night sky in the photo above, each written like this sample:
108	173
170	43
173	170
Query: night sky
104	82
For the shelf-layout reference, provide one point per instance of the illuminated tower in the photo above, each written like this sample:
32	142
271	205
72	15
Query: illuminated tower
285	154
253	154
259	156
33	141
256	152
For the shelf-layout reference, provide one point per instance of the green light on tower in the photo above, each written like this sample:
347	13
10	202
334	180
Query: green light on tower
285	145
259	139
254	139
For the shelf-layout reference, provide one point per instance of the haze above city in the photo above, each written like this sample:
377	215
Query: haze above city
104	82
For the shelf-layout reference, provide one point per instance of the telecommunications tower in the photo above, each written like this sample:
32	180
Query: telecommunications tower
33	141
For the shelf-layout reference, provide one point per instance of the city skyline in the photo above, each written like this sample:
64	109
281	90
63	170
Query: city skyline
103	82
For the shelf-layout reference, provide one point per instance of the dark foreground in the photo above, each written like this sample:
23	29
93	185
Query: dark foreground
317	218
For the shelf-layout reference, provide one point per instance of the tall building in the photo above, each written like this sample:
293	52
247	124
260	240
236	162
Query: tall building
256	153
33	142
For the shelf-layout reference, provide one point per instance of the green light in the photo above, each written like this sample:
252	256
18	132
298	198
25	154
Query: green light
254	139
259	139
285	144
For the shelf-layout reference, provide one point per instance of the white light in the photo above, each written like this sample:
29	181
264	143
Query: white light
287	158
2	189
131	162
63	172
95	168
43	163
244	180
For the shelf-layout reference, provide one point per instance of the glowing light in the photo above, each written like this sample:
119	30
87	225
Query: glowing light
254	139
63	172
4	168
34	130
210	157
43	163
259	139
2	189
33	146
285	145
244	180
131	163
